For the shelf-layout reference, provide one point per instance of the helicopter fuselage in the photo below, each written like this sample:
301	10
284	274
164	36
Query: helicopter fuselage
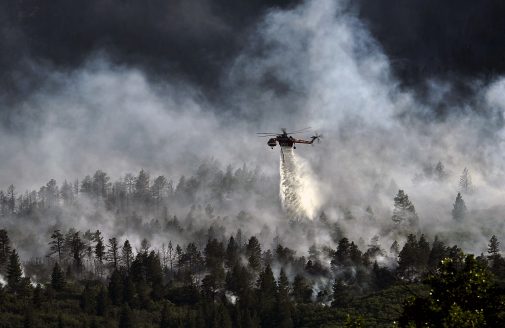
287	141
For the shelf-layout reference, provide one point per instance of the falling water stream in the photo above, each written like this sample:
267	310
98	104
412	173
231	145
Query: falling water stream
297	190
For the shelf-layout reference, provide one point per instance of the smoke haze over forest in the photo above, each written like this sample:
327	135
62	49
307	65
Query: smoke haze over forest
120	85
132	177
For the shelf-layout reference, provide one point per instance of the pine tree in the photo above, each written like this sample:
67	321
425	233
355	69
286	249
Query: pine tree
348	216
214	254
465	182
57	244
395	248
302	291
142	193
267	294
76	188
99	246
381	277
51	194
437	253
404	211
179	256
343	254
440	173
493	248
253	251
267	257
370	214
67	193
283	286
3	204
157	189
192	259
77	248
57	278
284	306
239	240
408	258
113	252
341	296
423	254
169	257
355	255
100	184
127	254
374	250
459	210
14	272
154	275
11	199
5	249
87	185
314	253
232	252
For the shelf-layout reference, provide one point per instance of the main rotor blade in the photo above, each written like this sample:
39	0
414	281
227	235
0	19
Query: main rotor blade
266	133
301	130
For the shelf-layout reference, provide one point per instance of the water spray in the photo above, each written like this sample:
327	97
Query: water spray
297	188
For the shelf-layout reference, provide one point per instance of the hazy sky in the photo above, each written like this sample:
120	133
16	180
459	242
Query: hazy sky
197	40
122	85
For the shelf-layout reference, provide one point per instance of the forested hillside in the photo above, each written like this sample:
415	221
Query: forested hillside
148	252
246	164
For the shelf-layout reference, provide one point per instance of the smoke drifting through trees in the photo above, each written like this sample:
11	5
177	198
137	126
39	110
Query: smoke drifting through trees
331	75
327	72
316	63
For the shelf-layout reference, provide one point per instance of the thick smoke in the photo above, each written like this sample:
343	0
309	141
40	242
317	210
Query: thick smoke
191	40
315	64
450	45
338	79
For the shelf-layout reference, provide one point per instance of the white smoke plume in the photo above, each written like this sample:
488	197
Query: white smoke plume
317	65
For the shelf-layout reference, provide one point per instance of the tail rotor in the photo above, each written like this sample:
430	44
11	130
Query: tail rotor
317	137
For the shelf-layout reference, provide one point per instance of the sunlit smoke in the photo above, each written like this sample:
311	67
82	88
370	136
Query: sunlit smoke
297	189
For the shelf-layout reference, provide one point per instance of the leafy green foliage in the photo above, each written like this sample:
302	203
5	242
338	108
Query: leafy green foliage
462	294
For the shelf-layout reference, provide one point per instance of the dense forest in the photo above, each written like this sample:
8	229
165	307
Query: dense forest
147	252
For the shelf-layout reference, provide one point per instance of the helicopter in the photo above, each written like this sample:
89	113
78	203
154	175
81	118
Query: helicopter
286	140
